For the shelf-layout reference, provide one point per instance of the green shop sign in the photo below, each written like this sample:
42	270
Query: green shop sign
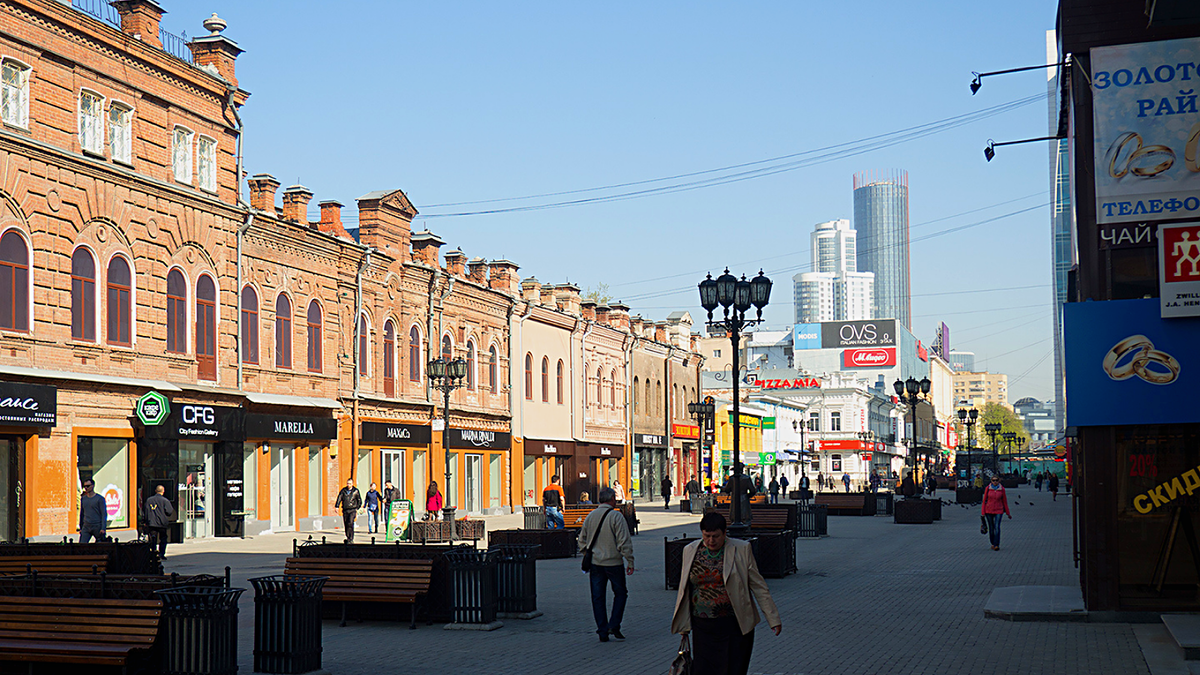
766	458
747	421
768	422
152	409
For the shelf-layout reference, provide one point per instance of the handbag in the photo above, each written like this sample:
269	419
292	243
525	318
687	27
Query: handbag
586	565
682	665
983	525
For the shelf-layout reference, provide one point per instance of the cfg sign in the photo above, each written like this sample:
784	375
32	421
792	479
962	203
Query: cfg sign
869	358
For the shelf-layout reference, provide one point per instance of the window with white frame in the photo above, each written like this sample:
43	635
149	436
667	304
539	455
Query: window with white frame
835	421
91	121
206	163
181	154
14	93
120	132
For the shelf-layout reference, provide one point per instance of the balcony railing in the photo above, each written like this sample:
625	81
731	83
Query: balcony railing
175	45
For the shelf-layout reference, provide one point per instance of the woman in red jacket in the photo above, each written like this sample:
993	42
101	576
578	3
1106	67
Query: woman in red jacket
995	507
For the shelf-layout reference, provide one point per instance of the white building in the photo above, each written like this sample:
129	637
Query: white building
834	290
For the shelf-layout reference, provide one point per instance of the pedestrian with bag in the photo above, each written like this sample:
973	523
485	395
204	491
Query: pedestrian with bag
93	514
846	481
374	504
159	513
349	500
994	508
606	544
433	501
719	586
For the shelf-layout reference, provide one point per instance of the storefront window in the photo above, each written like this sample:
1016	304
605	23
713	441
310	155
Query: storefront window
362	474
495	474
250	480
451	491
316	481
530	481
420	480
106	461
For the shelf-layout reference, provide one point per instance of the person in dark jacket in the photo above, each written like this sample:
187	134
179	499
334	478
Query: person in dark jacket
773	489
908	487
93	513
666	486
390	494
1054	486
374	506
159	513
349	500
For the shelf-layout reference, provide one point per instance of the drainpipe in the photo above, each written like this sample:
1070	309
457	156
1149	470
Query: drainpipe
571	358
366	260
628	353
241	231
429	350
582	360
513	402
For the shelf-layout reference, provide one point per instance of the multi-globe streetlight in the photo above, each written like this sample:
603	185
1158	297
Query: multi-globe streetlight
446	376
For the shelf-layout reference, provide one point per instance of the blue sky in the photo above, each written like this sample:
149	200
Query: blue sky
464	101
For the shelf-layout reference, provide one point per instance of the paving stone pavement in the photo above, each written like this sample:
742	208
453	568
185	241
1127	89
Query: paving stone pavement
873	597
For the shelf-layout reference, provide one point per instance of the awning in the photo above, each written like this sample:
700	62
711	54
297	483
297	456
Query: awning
22	371
296	401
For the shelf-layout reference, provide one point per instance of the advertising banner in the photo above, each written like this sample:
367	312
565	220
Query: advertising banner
687	431
848	334
1147	124
1179	269
399	520
806	336
1127	365
869	358
842	445
28	404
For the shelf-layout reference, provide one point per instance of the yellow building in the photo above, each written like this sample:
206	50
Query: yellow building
750	439
976	389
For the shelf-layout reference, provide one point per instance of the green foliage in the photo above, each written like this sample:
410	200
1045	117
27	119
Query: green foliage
599	294
1009	422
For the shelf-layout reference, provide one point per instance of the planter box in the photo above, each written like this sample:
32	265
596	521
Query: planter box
776	554
914	511
472	530
813	521
431	531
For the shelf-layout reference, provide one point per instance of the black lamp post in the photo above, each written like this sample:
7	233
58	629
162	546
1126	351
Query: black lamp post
704	412
967	418
735	296
915	390
1009	439
446	377
992	429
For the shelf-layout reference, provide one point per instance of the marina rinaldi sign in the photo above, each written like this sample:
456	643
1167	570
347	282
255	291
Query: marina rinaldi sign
152	409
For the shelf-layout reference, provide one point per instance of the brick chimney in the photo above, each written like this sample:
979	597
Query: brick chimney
295	204
618	316
660	333
456	263
477	271
141	19
587	310
385	221
331	219
694	343
566	296
531	290
262	192
502	276
548	296
635	324
425	247
215	52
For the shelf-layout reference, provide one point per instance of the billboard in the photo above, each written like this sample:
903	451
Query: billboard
1147	125
806	336
1179	269
869	358
849	334
1127	365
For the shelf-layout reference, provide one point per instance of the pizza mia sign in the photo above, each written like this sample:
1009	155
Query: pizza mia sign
798	383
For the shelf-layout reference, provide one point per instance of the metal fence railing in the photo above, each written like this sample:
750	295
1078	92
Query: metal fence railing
175	45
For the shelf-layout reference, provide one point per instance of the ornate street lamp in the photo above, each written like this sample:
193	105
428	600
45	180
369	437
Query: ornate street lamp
704	412
915	390
446	376
992	430
735	297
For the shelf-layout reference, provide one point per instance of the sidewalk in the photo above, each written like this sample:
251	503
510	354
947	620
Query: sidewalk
873	597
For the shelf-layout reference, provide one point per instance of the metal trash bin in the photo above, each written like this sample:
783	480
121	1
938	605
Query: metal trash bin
199	630
673	560
472	587
516	579
535	518
287	623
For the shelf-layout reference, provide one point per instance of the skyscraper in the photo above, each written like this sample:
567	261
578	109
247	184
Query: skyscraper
881	220
835	290
1061	226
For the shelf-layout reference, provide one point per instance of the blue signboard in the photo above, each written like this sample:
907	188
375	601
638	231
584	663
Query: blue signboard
1127	365
806	336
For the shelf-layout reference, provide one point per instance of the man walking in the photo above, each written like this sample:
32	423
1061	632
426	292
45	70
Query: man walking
93	513
553	500
608	538
783	485
846	481
666	486
692	488
159	513
773	489
349	501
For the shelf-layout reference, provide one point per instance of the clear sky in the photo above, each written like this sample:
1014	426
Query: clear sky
465	101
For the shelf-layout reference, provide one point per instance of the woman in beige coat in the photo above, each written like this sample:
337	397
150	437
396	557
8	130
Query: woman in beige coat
718	588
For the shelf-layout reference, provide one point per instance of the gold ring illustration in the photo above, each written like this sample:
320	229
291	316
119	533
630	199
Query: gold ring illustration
1189	150
1130	347
1114	152
1161	150
1158	375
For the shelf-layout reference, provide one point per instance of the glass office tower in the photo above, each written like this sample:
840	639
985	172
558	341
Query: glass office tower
881	221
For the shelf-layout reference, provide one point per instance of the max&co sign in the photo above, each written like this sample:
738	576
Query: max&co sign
395	433
478	438
869	358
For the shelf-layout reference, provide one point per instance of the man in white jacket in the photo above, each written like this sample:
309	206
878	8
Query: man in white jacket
605	532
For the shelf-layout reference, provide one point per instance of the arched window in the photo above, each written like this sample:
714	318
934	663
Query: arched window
599	386
612	388
389	359
637	410
120	311
364	345
649	400
83	295
471	365
559	381
493	368
283	332
528	377
658	398
414	355
14	282
176	312
545	379
674	399
314	337
249	345
584	388
447	349
206	328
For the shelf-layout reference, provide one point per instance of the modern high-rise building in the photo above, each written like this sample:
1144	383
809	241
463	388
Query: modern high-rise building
962	361
881	221
1061	227
835	290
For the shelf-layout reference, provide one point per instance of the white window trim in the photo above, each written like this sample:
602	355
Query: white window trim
129	131
191	151
22	114
103	339
101	123
199	174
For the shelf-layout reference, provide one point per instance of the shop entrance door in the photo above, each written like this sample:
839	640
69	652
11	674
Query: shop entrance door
283	485
12	449
195	491
474	484
393	470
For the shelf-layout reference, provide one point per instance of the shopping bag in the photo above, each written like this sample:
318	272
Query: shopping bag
983	526
682	665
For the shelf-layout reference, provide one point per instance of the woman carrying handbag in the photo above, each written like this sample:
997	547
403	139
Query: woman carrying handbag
719	586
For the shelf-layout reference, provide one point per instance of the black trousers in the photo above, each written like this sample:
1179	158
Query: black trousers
719	648
348	518
158	538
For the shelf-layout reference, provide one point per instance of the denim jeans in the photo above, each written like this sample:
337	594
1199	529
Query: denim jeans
993	520
601	575
89	531
372	521
554	518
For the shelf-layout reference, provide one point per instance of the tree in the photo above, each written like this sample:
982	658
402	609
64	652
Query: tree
598	294
1009	422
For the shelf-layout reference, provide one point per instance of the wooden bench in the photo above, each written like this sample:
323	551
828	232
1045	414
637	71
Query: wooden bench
367	580
76	630
53	564
574	515
774	520
845	504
